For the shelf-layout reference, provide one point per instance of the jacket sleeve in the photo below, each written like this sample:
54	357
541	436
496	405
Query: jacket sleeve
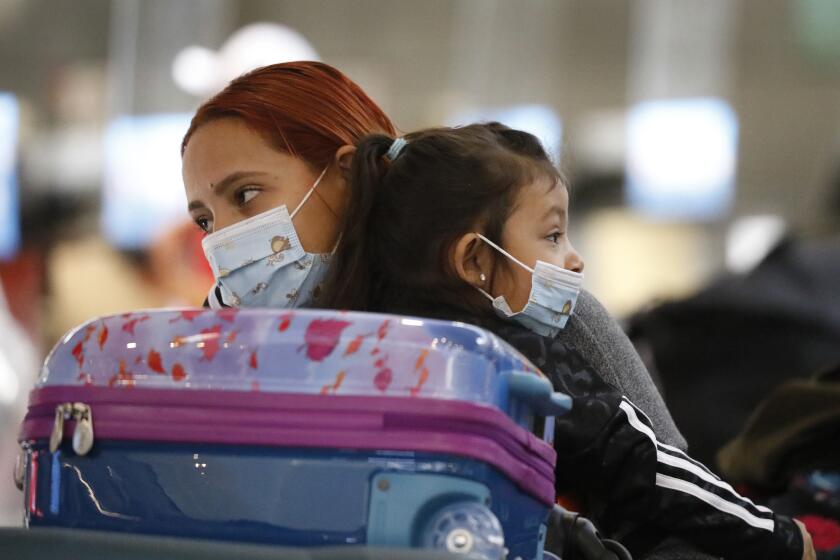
638	478
607	450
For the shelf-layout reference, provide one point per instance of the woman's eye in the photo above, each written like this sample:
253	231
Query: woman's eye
246	195
204	224
555	237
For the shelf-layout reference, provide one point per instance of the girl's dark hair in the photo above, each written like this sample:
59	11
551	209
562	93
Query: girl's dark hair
404	216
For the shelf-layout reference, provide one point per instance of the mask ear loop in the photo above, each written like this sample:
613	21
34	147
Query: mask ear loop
505	253
508	255
485	294
306	197
308	194
337	242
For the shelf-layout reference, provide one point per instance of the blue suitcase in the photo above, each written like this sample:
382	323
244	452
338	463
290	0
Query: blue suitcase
302	428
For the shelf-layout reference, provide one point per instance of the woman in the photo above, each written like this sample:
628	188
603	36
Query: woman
265	142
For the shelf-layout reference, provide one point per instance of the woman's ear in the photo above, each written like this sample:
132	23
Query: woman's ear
471	261
344	159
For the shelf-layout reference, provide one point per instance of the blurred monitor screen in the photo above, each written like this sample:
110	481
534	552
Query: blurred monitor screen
539	120
9	224
143	191
681	157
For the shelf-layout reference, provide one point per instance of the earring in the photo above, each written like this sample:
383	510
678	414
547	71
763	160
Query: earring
482	277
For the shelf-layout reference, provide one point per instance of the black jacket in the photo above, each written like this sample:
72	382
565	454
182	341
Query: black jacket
634	485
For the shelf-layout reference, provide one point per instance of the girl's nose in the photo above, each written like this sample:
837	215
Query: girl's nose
574	261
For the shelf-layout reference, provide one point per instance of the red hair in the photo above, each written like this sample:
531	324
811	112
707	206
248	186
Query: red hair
307	109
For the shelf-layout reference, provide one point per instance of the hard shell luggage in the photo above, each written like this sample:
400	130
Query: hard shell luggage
299	428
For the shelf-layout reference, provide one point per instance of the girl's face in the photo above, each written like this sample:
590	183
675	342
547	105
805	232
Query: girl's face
231	173
536	230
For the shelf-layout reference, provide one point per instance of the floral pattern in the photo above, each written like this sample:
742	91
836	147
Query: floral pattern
303	351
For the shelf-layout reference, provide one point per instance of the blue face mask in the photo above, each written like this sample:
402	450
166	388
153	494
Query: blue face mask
554	292
260	262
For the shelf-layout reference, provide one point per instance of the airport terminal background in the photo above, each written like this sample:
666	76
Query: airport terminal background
698	138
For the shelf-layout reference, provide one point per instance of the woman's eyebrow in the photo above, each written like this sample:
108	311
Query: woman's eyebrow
233	178
224	184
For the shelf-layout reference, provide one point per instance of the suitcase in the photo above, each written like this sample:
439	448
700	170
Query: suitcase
301	428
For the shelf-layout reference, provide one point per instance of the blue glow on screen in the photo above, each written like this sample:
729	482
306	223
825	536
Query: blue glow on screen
143	193
9	221
681	158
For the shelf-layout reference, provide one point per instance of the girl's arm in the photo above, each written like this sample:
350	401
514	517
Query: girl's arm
638	479
608	452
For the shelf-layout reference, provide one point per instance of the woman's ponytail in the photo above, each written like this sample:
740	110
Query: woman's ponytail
349	282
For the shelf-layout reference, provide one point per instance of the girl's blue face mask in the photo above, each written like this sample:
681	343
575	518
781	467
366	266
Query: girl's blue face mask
554	292
260	262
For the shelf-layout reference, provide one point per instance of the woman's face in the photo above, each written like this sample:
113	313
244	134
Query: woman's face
536	230
232	173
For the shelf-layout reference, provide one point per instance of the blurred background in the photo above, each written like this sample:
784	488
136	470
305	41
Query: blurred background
700	140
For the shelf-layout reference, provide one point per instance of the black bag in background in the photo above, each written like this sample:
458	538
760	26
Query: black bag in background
721	352
788	455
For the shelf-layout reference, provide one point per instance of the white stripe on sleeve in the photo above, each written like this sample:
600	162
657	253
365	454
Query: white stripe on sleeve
701	473
683	454
684	464
715	501
635	422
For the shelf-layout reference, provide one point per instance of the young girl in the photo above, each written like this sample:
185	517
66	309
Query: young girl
471	224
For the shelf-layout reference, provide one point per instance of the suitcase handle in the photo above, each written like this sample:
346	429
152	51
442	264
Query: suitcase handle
537	393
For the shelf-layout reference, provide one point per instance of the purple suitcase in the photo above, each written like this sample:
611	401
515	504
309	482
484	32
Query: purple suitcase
297	428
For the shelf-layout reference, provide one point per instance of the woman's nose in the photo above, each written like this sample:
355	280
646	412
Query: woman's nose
223	219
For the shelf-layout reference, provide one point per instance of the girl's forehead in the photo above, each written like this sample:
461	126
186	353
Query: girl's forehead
542	193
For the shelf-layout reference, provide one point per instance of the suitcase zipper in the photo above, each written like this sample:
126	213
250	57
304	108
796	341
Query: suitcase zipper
82	433
129	417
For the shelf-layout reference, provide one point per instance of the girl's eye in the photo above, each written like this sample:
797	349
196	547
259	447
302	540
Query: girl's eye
204	224
555	237
246	195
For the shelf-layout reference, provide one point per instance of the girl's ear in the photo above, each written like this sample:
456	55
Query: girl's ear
471	260
344	159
